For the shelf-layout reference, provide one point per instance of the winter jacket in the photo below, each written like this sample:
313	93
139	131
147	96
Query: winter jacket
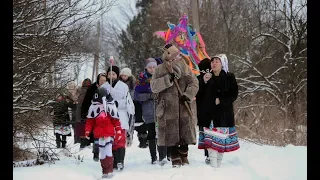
143	95
82	94
225	88
103	125
61	112
87	100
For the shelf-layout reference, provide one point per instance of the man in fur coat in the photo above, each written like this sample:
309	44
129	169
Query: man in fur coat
176	127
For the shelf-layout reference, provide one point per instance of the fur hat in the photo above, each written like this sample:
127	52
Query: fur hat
204	66
170	52
159	60
114	69
126	71
150	62
224	61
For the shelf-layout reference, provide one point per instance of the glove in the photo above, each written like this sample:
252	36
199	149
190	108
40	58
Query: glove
184	98
116	103
172	76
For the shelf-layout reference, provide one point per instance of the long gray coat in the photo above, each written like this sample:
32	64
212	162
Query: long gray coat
175	126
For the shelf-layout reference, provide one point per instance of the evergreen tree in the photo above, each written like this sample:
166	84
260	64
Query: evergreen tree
137	42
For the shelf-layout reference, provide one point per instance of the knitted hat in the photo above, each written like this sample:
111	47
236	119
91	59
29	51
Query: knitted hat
224	61
204	66
159	60
170	52
114	69
150	62
86	83
126	71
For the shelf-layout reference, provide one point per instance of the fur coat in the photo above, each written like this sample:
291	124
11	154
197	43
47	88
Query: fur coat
175	125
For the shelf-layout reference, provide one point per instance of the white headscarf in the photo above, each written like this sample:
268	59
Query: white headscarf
224	61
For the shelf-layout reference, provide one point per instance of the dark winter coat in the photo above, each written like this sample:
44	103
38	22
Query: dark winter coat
225	88
87	100
61	113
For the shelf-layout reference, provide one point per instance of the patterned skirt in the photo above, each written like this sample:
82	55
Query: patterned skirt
220	139
62	130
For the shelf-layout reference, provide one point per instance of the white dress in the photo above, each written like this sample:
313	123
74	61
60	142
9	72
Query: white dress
120	93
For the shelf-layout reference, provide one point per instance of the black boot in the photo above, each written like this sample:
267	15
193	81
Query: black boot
143	140
153	150
64	144
83	142
58	142
121	154
115	159
95	152
162	154
169	153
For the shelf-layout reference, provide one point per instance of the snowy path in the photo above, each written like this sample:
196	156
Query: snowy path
251	162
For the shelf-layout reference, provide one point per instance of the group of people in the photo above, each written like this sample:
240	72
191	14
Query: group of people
163	103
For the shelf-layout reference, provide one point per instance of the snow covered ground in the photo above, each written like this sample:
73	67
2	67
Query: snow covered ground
251	162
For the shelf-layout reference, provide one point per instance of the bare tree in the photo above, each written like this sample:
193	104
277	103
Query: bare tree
44	35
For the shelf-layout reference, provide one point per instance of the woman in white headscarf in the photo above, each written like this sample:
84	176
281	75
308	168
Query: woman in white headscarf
215	113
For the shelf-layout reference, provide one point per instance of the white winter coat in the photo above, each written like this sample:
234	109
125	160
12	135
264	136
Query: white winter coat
120	93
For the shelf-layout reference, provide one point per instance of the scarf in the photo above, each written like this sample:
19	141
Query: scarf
143	82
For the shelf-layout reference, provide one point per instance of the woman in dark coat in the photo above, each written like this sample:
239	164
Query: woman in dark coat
215	111
80	122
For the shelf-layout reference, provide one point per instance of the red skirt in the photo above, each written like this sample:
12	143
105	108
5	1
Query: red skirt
121	143
80	129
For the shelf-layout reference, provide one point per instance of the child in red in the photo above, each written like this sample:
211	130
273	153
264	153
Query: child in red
103	118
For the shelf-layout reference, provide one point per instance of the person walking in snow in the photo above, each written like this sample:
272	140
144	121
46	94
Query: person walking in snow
101	79
176	122
144	96
103	118
61	120
204	67
80	122
121	95
126	77
220	90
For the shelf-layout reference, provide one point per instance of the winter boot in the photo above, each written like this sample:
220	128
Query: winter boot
95	151
219	159
103	166
207	160
213	155
64	144
162	154
183	152
108	164
143	140
175	157
58	143
115	159
153	150
121	155
169	153
83	142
